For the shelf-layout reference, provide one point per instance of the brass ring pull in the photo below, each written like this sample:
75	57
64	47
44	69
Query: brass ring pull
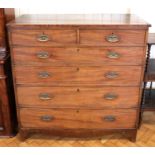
1	128
113	55
42	38
44	75
112	38
109	118
110	96
45	96
43	55
46	118
111	75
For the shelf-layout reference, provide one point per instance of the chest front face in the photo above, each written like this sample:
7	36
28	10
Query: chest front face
78	74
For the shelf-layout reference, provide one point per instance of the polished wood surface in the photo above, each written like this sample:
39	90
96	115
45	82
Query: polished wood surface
70	37
7	103
126	37
145	138
77	119
62	62
78	97
55	37
60	76
84	20
2	33
77	56
9	14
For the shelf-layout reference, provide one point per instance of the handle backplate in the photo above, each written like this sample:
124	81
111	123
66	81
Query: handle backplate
45	96
112	38
43	38
44	74
109	118
111	75
113	55
43	55
46	118
110	96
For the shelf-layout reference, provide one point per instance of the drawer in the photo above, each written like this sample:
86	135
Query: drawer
112	37
43	37
106	75
77	119
82	97
78	56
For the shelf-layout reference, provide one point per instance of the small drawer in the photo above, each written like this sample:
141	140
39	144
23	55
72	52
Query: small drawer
77	119
112	37
78	56
105	75
43	37
78	97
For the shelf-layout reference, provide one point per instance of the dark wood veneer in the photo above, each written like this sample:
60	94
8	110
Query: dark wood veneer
7	103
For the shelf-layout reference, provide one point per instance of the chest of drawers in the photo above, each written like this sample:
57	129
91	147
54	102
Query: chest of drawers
78	75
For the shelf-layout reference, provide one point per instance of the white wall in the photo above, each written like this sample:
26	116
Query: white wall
143	8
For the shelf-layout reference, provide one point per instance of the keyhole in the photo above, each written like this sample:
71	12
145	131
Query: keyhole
78	69
78	90
78	50
77	111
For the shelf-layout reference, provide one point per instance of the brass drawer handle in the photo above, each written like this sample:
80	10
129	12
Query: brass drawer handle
111	75
46	118
43	38
112	38
1	128
45	96
43	55
109	118
44	74
110	96
113	55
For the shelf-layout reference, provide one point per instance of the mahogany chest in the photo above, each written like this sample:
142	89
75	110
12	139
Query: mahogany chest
78	75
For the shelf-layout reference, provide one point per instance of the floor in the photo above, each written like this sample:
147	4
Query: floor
145	137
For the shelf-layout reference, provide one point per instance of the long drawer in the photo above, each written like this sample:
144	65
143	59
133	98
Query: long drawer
77	119
43	37
78	97
106	75
112	37
78	56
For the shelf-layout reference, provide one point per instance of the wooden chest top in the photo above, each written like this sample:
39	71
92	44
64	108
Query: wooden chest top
125	21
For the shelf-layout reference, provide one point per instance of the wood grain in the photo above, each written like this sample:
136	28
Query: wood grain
77	119
30	38
89	56
95	21
78	75
78	97
98	37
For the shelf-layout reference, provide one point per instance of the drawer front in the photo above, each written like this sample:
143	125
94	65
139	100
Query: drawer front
112	37
79	97
78	56
107	75
77	119
43	37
